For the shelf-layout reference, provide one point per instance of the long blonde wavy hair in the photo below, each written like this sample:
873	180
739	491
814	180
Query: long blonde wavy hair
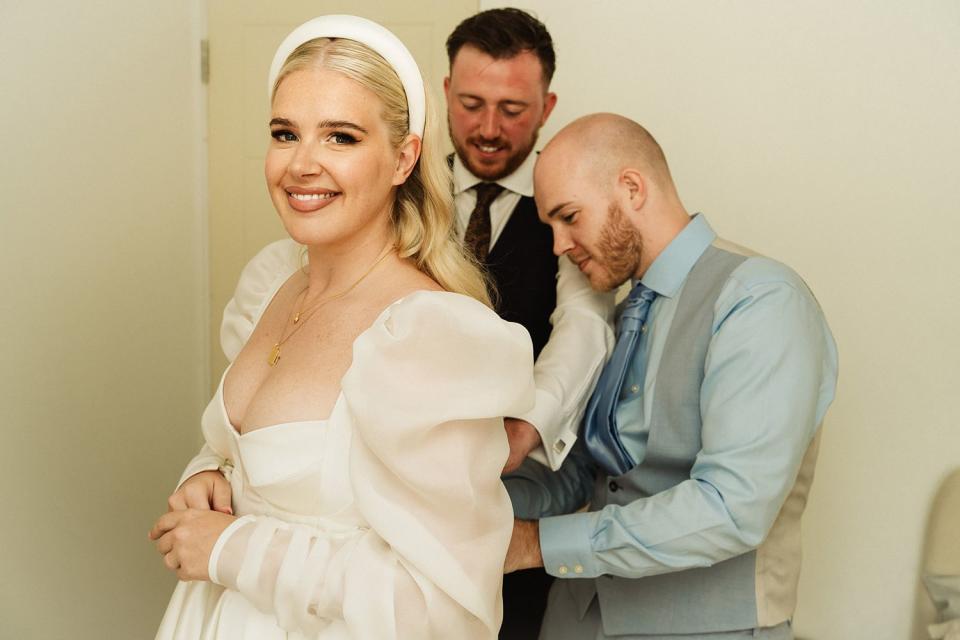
422	214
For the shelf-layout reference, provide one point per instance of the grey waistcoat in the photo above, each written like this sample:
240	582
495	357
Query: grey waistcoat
717	598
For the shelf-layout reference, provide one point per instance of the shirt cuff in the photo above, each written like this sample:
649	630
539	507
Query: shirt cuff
557	439
565	545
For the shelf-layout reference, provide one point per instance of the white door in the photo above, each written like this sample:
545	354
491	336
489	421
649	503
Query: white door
243	35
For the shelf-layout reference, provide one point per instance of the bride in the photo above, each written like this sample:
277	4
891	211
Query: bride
350	486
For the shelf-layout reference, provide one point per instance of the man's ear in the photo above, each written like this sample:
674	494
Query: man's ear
634	187
549	102
407	156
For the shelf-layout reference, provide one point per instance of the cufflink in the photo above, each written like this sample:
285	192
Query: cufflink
559	446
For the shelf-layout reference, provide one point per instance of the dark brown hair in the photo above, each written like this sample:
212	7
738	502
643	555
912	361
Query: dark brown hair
505	33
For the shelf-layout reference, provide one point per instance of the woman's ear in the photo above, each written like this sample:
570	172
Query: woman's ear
407	156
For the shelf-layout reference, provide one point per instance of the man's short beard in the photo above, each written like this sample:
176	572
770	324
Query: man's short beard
513	162
619	248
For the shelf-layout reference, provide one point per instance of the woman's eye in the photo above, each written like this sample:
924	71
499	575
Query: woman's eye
343	138
282	135
569	218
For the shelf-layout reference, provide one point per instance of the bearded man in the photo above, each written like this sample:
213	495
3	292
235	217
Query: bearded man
498	97
700	439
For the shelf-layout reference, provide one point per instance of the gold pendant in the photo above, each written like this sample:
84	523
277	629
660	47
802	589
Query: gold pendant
296	318
274	355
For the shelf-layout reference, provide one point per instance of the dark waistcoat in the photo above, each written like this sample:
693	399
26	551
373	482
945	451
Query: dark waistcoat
524	272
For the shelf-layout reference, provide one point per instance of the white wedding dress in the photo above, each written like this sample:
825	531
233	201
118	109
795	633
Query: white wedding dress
386	520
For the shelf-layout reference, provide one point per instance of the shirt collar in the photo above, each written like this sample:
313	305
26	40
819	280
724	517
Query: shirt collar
520	181
668	272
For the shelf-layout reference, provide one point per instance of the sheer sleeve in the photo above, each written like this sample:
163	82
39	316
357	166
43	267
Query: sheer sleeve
259	281
425	394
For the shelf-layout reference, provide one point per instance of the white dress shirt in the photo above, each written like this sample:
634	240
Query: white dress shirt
581	338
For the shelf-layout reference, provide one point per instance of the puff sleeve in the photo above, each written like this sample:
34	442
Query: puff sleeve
259	281
425	395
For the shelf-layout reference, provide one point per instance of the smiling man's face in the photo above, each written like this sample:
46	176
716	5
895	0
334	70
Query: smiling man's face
495	109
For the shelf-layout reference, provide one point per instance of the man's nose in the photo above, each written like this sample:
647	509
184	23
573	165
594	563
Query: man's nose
561	242
490	124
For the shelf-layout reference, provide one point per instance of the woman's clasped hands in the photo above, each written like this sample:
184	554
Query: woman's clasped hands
199	511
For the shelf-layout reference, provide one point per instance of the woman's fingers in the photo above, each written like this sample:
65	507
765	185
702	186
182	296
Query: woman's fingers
165	544
176	502
165	523
222	496
197	493
171	561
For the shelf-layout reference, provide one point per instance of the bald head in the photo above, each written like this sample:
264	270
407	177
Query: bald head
601	145
603	186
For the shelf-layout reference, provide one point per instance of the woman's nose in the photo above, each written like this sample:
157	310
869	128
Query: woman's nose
305	160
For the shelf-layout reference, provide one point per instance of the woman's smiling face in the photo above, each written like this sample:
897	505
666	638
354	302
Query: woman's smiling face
330	167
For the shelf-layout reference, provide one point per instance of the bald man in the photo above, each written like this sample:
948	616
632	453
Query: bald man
700	439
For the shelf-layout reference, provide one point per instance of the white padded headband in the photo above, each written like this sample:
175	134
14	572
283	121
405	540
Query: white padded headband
374	36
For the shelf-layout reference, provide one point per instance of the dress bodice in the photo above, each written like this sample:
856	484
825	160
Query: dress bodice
295	471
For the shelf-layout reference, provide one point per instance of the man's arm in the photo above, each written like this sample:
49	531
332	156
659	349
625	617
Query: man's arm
770	374
538	492
566	370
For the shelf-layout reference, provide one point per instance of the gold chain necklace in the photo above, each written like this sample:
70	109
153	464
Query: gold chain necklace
302	316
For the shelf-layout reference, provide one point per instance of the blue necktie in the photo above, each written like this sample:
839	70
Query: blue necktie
600	431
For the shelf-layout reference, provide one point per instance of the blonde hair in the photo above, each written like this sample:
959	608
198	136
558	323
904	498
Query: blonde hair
422	214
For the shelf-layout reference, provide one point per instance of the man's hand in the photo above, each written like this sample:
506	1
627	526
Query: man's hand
185	539
205	490
523	438
524	550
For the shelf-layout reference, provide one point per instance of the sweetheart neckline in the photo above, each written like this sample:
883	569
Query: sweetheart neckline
256	320
242	434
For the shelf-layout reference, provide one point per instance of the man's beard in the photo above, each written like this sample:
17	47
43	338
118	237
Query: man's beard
618	249
492	173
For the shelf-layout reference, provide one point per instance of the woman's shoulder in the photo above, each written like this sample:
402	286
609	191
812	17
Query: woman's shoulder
432	346
438	314
260	279
276	260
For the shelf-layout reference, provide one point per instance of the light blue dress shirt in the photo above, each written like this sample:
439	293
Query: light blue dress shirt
770	375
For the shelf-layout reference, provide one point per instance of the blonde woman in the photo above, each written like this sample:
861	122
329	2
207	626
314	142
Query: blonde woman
349	486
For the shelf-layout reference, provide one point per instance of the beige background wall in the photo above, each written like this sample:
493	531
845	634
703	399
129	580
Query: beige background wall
825	134
102	314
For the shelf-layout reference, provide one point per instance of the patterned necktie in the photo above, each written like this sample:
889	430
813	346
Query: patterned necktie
600	431
477	236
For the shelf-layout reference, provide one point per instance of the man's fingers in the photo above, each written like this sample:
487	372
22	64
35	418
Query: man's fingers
512	463
222	496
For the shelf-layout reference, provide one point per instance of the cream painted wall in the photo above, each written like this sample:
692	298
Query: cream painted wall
822	133
102	255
